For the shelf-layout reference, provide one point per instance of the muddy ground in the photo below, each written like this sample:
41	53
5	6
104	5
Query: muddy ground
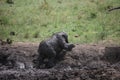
84	62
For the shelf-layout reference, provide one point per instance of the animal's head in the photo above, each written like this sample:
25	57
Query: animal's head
64	35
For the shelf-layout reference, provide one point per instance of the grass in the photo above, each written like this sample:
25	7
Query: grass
85	21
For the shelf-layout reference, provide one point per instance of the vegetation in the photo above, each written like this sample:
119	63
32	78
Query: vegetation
85	21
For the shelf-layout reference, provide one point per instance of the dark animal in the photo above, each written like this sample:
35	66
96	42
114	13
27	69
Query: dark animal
54	47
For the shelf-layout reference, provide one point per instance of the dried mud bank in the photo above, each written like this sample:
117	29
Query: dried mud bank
84	62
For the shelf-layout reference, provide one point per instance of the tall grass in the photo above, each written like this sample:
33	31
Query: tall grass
85	21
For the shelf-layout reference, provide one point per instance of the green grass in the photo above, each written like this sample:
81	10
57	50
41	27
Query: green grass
85	21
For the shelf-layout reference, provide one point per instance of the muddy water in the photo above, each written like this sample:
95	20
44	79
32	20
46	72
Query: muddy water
84	62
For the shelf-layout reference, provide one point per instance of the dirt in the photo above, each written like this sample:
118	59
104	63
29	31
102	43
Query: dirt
84	62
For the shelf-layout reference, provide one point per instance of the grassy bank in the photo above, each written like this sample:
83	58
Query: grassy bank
85	21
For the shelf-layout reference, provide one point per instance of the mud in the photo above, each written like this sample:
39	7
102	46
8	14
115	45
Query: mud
84	62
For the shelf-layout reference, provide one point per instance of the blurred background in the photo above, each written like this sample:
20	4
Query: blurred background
85	21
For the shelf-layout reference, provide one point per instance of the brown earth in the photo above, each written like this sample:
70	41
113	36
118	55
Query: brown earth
84	62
